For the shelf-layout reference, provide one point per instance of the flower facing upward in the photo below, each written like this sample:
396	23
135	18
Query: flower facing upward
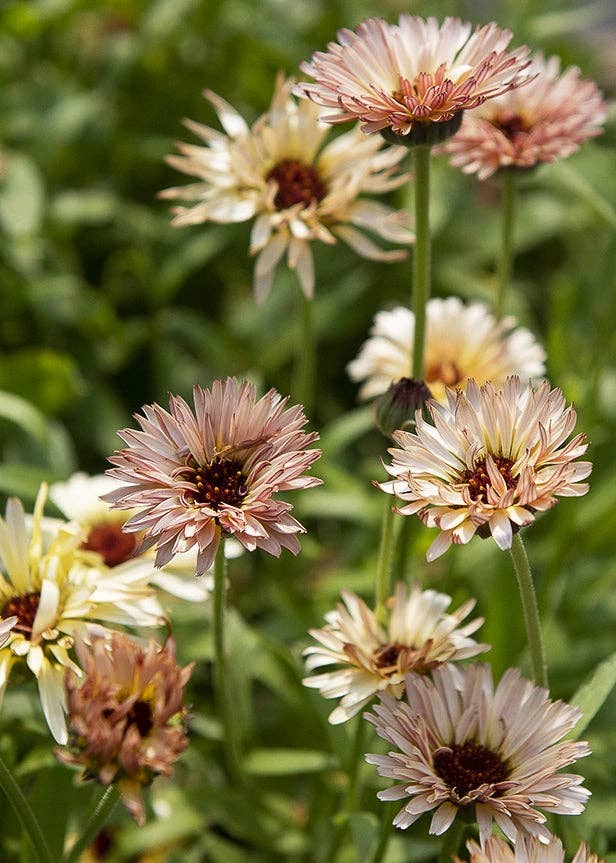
297	190
412	74
193	476
420	636
465	744
527	849
491	457
462	342
546	120
127	719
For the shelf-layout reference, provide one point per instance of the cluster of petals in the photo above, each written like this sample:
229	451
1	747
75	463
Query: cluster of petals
546	120
415	72
488	460
527	849
278	173
464	743
419	636
461	342
170	468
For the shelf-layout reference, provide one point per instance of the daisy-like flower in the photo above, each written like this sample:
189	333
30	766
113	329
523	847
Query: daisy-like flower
412	77
527	849
546	120
297	190
464	743
196	476
128	723
490	458
462	342
56	595
420	636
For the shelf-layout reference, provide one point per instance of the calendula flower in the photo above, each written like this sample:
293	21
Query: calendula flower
462	743
56	595
414	75
490	458
370	658
298	189
544	121
195	477
128	723
527	849
462	342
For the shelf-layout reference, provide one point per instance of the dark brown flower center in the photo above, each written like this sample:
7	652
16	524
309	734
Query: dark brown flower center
445	371
478	479
110	541
297	184
387	656
140	715
468	766
24	608
511	125
220	481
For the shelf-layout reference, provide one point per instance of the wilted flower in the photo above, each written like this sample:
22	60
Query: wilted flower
196	475
465	744
527	849
127	719
55	595
420	635
462	342
408	77
297	190
490	459
546	120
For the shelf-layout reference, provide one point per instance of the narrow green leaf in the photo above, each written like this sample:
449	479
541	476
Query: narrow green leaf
593	692
365	833
51	436
580	186
284	762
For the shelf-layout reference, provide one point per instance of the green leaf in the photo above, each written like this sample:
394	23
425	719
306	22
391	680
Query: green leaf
365	833
591	196
285	762
24	480
21	197
52	437
592	694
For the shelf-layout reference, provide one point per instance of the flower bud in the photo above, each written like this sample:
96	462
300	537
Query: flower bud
395	409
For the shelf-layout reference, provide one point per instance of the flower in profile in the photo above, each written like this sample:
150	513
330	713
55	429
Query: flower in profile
464	744
527	849
419	636
128	723
413	77
462	342
490	458
298	190
55	595
196	476
546	120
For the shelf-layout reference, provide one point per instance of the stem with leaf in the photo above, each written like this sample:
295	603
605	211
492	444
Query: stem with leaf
105	805
25	814
530	609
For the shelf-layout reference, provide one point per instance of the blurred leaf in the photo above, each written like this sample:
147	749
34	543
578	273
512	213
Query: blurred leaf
592	694
578	184
21	196
48	378
365	833
52	437
24	480
283	762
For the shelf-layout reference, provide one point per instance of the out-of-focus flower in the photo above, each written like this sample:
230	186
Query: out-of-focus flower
297	190
412	77
465	744
420	635
127	718
462	342
6	624
490	459
55	595
195	476
544	121
527	849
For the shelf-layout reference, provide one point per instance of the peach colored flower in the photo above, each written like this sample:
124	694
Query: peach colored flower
527	849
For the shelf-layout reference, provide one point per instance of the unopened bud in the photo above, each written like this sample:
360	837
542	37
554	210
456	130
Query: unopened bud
395	409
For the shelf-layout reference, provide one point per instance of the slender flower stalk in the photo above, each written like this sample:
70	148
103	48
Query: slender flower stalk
384	567
26	817
505	265
305	371
530	609
101	813
422	257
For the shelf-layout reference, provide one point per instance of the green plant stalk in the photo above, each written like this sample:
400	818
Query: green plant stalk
505	264
384	566
530	609
452	840
305	369
385	834
101	813
355	762
421	256
25	814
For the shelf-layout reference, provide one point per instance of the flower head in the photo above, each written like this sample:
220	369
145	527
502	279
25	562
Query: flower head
464	743
528	849
297	189
462	342
408	76
193	476
544	121
420	635
127	718
490	458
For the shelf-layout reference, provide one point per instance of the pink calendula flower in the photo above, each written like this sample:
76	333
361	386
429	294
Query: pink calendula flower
489	459
544	121
527	849
195	476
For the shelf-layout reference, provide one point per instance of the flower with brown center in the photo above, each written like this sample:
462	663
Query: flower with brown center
128	723
527	849
462	744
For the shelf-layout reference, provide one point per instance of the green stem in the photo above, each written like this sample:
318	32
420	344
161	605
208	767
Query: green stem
383	572
385	834
102	811
506	251
530	609
355	762
452	840
403	548
421	256
24	813
305	358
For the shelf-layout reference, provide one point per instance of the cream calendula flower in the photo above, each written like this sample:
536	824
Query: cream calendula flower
462	342
55	595
544	121
370	658
463	744
527	849
489	459
298	189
